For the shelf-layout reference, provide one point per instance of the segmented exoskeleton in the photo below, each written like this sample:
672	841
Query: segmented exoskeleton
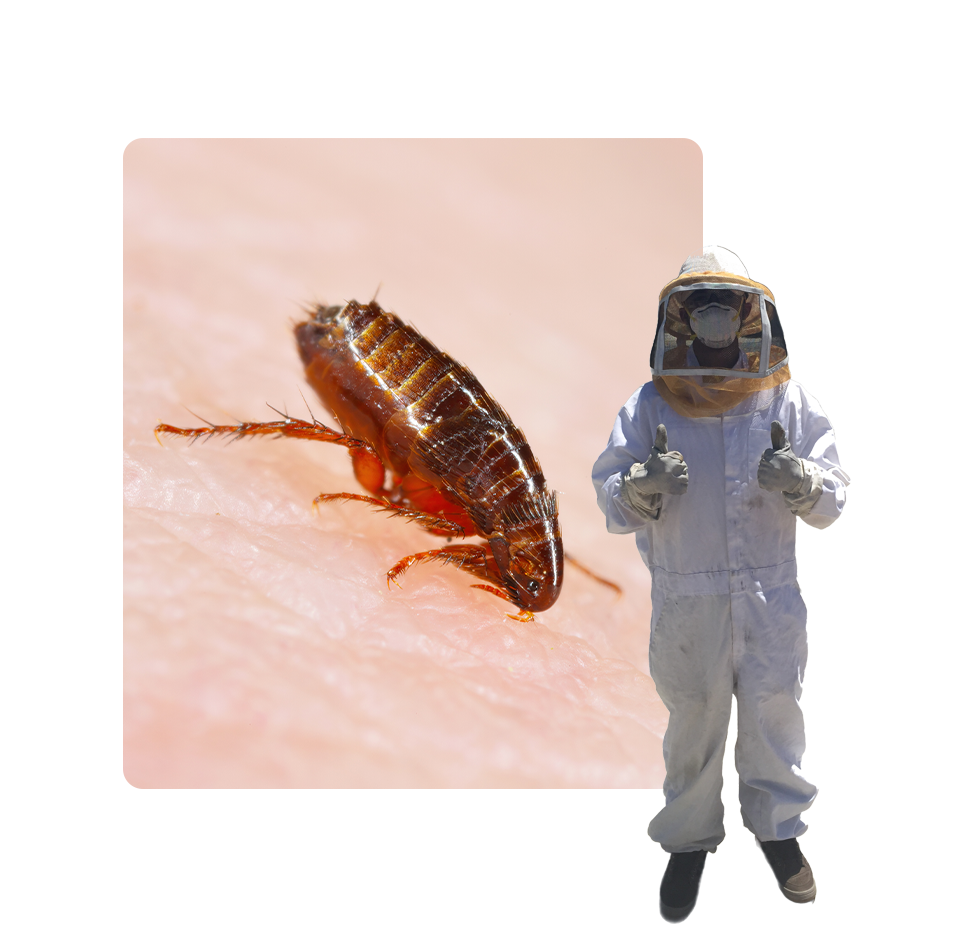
429	444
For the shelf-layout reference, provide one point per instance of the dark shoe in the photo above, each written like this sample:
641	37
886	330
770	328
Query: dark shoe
680	884
790	867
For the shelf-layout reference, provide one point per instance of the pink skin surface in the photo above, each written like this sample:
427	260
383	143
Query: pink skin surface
262	647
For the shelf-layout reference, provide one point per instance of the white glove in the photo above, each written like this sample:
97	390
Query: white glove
645	483
799	481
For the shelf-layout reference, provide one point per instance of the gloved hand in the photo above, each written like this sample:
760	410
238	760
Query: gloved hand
664	472
800	482
780	468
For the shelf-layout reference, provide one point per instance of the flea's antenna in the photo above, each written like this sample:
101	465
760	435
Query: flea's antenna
379	285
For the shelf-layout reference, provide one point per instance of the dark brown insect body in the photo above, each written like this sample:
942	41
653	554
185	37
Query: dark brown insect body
429	444
450	448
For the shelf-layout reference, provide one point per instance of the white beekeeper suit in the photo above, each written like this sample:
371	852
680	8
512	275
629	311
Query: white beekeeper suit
727	617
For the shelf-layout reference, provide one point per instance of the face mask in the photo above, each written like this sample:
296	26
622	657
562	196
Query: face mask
715	325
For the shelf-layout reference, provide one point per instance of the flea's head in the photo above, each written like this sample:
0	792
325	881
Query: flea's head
536	574
529	553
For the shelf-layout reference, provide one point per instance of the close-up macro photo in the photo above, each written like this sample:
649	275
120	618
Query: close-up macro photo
633	471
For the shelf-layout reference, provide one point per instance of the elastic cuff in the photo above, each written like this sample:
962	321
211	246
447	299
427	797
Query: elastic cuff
803	502
646	507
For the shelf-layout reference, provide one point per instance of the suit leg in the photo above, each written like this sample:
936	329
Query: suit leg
690	660
770	659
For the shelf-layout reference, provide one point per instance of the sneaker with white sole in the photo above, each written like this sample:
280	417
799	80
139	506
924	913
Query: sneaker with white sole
790	867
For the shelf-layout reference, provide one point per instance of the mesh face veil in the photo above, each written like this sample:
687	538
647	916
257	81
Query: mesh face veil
718	338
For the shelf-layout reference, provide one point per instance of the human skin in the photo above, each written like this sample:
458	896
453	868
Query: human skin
263	652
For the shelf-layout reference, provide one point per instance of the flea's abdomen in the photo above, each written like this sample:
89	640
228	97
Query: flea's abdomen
390	386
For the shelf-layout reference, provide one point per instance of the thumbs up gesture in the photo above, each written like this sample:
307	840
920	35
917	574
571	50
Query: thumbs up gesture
780	468
663	472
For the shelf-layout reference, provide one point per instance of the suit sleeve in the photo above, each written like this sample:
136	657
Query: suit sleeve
630	442
813	440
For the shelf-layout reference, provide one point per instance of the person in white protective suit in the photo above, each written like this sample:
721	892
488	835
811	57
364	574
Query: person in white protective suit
714	521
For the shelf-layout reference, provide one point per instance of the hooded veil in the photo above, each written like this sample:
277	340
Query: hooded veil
688	387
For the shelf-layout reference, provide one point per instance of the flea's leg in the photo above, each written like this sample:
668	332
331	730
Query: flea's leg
470	558
524	616
475	559
427	498
436	524
287	427
587	571
369	470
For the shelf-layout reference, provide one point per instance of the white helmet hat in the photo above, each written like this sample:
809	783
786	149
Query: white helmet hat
715	259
